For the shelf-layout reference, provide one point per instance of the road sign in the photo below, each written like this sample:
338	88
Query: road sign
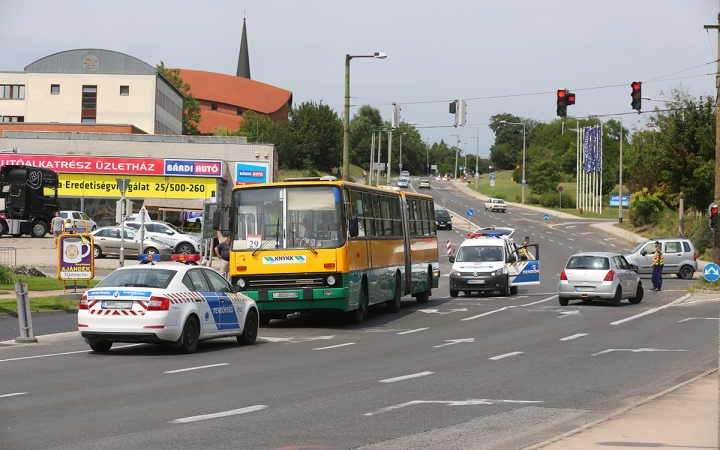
711	272
444	200
523	182
614	200
492	182
492	177
546	217
470	212
477	175
560	188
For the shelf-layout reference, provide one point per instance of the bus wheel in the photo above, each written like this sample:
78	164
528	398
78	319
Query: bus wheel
423	297
394	304
356	316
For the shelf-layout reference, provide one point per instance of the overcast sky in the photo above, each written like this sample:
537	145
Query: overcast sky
476	50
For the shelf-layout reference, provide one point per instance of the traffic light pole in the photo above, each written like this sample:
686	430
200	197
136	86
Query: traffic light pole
716	235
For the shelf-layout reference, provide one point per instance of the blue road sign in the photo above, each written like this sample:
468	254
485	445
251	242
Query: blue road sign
615	202
470	212
546	217
523	181
711	272
492	177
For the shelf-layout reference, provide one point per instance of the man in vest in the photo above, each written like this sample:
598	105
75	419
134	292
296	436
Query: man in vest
657	267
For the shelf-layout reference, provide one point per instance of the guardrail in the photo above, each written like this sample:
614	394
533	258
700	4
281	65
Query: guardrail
8	256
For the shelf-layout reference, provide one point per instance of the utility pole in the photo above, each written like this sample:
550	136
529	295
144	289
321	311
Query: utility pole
716	235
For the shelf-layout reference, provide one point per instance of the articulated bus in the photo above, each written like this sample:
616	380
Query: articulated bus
312	245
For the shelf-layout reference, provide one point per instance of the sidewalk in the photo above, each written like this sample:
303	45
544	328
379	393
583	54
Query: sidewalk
683	417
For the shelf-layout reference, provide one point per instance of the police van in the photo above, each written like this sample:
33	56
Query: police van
489	262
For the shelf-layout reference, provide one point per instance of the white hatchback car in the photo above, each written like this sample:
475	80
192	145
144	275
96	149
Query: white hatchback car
599	275
183	242
169	303
79	216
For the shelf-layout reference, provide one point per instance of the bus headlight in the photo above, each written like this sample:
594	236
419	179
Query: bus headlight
331	280
241	283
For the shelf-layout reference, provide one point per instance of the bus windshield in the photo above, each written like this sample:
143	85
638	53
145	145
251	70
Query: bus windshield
289	217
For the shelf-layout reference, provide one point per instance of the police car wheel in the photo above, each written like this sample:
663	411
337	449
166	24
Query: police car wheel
100	346
250	330
453	293
189	338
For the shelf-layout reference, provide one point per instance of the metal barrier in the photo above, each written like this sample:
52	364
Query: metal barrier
8	256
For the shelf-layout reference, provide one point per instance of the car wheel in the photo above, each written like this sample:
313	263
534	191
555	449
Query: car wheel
357	315
686	272
151	251
100	346
189	338
453	293
265	320
615	301
394	304
639	294
513	290
97	253
39	229
563	301
185	249
250	330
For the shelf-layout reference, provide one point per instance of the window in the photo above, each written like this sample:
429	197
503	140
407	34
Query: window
239	111
55	89
89	104
124	90
213	106
12	91
672	247
13	119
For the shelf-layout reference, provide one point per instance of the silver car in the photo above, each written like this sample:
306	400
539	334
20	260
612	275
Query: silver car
403	182
679	255
107	241
78	217
599	276
182	241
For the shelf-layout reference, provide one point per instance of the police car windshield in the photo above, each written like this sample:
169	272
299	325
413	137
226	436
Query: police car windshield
140	277
480	254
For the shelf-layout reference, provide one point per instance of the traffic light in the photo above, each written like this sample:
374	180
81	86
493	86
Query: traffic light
562	102
636	95
713	212
570	98
453	107
460	113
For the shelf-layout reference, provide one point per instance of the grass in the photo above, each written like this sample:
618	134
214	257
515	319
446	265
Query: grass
42	284
52	303
704	285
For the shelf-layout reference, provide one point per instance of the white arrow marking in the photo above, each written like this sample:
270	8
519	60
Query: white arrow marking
435	311
650	311
571	226
220	414
506	355
635	350
196	368
413	331
13	394
406	377
699	318
485	314
589	232
454	341
335	346
568	313
468	402
574	336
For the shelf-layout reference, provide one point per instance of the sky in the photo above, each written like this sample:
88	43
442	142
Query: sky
502	56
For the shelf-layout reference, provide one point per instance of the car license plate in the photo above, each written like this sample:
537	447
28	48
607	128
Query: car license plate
110	304
476	281
584	288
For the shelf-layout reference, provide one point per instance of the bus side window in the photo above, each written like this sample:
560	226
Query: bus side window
395	215
377	214
369	220
357	211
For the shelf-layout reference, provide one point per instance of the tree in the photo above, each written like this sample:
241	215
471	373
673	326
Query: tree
362	123
191	114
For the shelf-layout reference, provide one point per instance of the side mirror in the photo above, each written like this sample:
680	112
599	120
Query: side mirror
170	232
512	258
633	268
354	228
642	253
236	288
451	258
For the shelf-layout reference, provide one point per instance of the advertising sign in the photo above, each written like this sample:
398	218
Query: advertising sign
614	200
76	259
79	185
247	173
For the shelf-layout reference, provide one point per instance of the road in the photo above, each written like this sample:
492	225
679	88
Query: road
466	373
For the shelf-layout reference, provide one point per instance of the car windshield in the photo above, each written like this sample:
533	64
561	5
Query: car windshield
588	263
637	247
442	214
480	254
174	228
141	277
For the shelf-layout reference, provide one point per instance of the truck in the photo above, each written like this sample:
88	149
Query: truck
28	200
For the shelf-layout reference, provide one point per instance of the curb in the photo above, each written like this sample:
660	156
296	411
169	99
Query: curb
618	412
56	312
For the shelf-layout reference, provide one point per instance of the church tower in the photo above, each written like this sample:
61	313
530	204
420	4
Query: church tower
243	67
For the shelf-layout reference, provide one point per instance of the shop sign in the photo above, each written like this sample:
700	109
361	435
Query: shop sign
76	259
251	173
80	185
193	168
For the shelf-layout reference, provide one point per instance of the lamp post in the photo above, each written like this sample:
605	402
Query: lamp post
346	115
380	130
523	161
457	150
401	135
477	153
427	155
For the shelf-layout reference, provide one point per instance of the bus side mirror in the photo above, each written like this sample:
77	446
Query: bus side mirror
354	229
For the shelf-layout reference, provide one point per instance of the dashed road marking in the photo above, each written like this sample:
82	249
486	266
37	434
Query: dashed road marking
635	350
506	355
574	336
13	394
335	346
413	331
233	412
406	377
196	368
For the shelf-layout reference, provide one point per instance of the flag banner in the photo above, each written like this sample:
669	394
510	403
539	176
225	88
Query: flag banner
599	149
589	149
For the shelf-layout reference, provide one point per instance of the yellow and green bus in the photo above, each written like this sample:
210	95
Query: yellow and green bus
314	245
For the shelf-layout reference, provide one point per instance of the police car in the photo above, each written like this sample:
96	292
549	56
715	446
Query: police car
487	262
168	303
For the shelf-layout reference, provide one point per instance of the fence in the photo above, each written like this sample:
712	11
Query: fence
8	256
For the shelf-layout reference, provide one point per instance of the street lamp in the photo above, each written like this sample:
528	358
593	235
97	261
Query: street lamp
401	151
427	155
457	149
523	162
346	115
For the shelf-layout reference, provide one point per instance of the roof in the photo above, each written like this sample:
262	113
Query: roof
91	60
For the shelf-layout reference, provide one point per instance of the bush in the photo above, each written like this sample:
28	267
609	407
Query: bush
647	209
6	275
701	235
552	200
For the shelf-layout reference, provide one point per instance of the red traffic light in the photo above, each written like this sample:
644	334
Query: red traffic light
635	85
713	209
561	93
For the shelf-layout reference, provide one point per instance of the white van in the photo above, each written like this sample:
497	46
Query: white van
489	262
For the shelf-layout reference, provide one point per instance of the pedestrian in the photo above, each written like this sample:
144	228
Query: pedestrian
223	252
364	175
524	253
57	226
657	267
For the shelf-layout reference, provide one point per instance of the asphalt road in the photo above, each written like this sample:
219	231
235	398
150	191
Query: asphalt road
470	372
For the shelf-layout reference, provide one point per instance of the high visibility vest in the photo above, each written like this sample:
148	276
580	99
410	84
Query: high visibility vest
658	259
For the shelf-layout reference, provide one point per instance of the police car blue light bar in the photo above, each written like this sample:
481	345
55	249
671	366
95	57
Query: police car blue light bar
144	259
477	235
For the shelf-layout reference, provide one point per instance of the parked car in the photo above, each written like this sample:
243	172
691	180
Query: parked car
403	182
78	216
107	241
599	275
443	219
679	254
495	204
183	242
424	184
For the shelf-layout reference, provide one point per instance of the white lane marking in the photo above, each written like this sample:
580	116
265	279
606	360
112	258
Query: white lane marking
13	394
550	240
413	331
233	412
485	314
506	355
468	402
406	377
196	368
570	239
454	341
574	336
650	311
59	354
295	340
571	226
435	311
635	350
569	313
570	248
335	346
540	301
589	232
699	318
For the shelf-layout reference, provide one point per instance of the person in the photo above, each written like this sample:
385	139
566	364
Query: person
524	252
308	226
222	251
328	223
657	267
364	175
57	226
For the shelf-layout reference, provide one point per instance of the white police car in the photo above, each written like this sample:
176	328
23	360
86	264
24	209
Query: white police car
175	304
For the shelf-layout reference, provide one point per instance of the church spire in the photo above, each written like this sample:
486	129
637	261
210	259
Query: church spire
243	67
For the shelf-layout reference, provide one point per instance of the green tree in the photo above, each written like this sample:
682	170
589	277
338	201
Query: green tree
318	138
191	114
362	123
